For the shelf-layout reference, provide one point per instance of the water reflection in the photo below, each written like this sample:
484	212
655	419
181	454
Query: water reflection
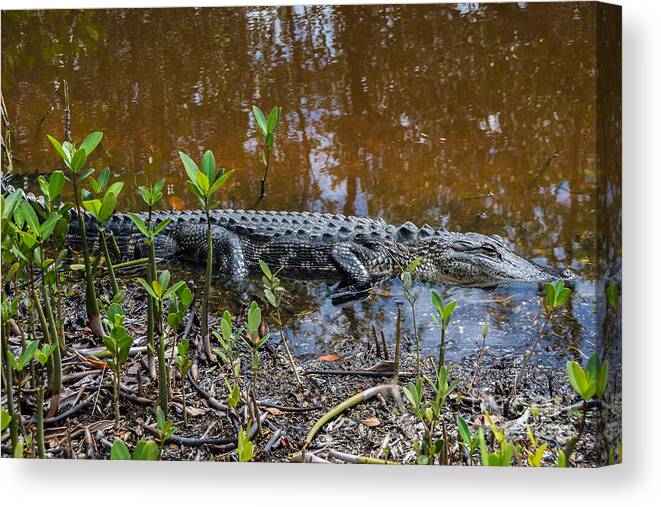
448	114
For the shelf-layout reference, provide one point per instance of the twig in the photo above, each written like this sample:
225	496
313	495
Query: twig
213	402
398	344
354	400
283	408
65	415
360	373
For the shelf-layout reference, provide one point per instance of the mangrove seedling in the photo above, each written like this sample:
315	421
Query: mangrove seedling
406	277
151	195
102	209
469	441
503	455
165	428
536	455
266	127
161	291
74	159
429	412
244	446
255	344
42	355
227	352
118	343
589	382
204	182
444	315
556	296
274	293
183	364
145	450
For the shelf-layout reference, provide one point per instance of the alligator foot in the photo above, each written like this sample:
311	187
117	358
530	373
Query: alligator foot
344	294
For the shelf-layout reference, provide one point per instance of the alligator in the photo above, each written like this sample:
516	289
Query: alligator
359	253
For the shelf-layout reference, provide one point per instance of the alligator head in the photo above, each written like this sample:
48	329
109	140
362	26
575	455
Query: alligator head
474	260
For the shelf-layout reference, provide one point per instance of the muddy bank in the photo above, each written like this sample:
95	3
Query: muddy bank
379	428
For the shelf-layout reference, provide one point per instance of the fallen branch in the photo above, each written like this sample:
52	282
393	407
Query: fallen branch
362	396
590	404
358	460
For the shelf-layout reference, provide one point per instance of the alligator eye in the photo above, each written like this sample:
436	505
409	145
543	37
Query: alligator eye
490	250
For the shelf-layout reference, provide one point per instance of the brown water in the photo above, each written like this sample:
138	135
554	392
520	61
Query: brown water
447	114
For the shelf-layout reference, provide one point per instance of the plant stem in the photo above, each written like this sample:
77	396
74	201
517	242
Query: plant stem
9	383
204	326
162	373
183	395
528	354
398	343
55	384
417	338
441	349
116	395
40	422
262	191
91	304
111	271
289	356
151	276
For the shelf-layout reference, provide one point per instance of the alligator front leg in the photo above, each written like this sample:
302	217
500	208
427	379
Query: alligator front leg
356	279
228	257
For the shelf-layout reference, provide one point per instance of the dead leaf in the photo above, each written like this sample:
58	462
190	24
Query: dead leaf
386	366
273	410
480	420
329	357
371	421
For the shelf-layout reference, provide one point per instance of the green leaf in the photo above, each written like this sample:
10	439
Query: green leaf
119	451
58	147
146	450
175	288
30	217
186	296
91	142
107	207
140	225
159	186
10	202
94	207
580	381
272	121
209	165
254	318
84	175
202	182
49	225
116	187
161	226
5	419
190	166
260	120
265	269
164	279
464	431
104	176
148	288
220	182
78	160
160	418
55	184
